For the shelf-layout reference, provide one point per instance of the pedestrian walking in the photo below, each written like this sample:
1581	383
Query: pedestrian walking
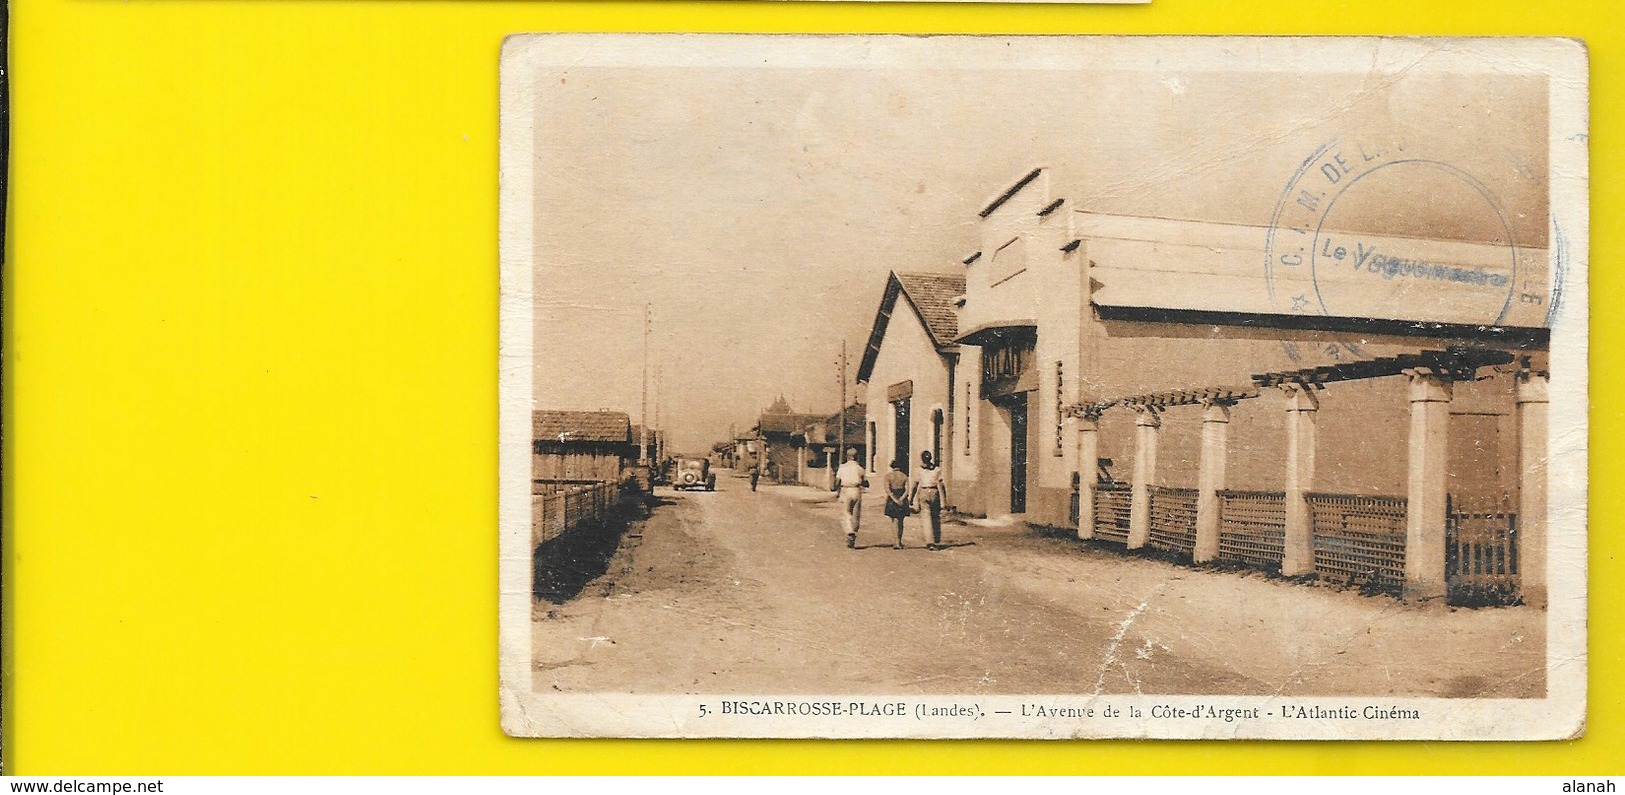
755	475
930	492
850	481
898	506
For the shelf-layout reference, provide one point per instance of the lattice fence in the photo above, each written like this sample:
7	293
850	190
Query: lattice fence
1359	539
1173	520
1111	512
1252	527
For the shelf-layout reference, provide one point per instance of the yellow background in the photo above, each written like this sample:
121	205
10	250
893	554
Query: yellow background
250	399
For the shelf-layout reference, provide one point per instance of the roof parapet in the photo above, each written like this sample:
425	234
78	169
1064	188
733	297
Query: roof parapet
1011	191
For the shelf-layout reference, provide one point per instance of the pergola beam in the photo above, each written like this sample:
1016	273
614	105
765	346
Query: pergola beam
1459	362
1174	397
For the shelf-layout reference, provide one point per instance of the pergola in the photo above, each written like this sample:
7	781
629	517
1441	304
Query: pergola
1458	364
1431	374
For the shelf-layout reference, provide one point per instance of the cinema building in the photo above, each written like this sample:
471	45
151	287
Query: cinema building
1322	402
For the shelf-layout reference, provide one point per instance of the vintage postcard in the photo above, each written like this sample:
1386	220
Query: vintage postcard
1043	387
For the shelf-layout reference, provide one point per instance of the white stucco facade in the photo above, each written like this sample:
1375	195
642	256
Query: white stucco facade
1022	281
909	367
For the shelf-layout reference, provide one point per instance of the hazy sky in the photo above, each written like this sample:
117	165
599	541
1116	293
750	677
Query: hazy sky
758	210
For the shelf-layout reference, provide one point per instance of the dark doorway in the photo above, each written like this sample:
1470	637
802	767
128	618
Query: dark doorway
1018	454
900	448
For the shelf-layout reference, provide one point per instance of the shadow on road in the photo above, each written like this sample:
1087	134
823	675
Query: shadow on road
563	566
916	547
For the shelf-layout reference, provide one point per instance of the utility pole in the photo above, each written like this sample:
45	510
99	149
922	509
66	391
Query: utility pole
643	413
840	450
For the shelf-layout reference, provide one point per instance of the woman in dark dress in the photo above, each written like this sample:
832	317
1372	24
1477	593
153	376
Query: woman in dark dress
897	497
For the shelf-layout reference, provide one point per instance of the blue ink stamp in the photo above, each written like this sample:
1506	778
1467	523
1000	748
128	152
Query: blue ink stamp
1367	229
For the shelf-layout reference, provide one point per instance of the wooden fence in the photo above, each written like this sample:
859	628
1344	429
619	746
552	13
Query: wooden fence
1481	552
580	462
556	512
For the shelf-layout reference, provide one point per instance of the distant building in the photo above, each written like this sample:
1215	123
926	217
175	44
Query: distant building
779	441
580	446
823	452
744	454
722	454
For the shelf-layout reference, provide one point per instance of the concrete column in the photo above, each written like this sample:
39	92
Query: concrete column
1088	463
1426	488
1298	557
1532	459
1210	478
1146	425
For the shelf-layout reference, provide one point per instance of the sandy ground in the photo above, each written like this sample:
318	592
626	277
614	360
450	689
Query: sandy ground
741	592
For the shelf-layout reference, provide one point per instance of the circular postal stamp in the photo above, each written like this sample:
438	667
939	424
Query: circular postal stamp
1367	230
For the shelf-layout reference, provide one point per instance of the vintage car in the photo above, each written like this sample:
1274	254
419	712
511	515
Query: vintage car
694	473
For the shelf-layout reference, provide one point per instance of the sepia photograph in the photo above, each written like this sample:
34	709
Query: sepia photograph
1043	387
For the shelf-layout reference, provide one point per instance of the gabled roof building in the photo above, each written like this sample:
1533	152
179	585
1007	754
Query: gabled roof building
908	368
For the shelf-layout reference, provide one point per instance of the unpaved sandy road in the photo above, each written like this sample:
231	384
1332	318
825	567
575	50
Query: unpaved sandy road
741	592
